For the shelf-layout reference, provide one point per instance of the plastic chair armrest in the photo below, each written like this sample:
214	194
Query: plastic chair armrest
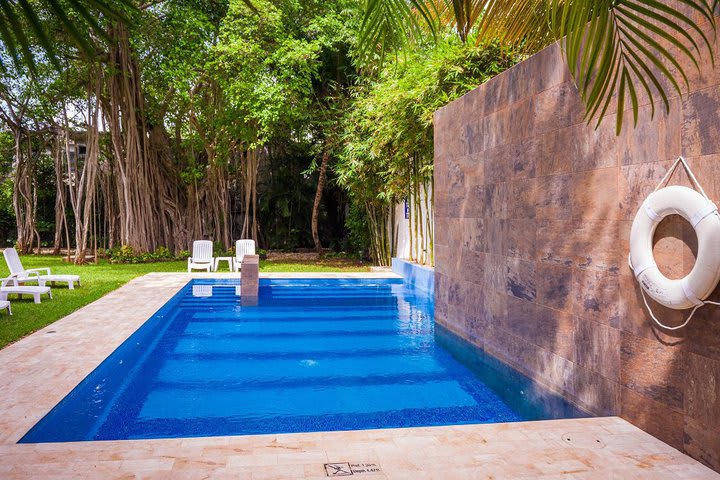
38	270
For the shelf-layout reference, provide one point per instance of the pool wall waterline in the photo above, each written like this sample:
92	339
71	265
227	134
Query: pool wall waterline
533	212
421	277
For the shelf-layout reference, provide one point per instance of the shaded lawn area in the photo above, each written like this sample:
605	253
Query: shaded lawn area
98	280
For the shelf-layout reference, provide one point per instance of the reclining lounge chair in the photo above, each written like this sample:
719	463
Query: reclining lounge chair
34	274
35	290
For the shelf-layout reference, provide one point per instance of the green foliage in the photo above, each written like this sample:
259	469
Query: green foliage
358	239
220	251
388	129
126	254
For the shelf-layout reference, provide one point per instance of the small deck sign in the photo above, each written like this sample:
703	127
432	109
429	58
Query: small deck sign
352	469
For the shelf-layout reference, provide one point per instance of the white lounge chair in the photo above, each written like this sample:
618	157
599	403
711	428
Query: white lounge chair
202	256
242	248
4	304
34	274
34	290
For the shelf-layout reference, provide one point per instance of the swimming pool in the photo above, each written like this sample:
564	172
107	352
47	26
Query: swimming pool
307	355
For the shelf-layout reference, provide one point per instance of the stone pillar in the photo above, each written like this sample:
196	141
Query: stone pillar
249	280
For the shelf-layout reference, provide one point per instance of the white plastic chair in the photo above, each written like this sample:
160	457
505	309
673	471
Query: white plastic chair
34	274
242	248
5	305
202	256
20	290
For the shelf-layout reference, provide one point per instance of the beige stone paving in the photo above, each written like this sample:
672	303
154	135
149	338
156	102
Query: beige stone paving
38	371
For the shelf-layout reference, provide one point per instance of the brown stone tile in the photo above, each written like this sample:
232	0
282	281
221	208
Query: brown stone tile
472	266
596	348
443	259
441	205
523	112
555	243
555	332
522	318
523	158
473	202
654	417
495	307
699	136
523	198
441	237
554	197
554	284
474	235
702	442
595	195
477	319
553	158
635	319
557	107
593	392
495	275
521	279
636	182
456	176
547	69
498	164
495	93
595	246
702	391
596	296
473	168
522	239
703	332
496	200
652	140
654	370
455	205
497	235
593	147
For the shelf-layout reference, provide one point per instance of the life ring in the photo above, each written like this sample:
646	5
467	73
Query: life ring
703	215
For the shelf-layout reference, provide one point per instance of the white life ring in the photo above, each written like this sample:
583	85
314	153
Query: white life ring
703	215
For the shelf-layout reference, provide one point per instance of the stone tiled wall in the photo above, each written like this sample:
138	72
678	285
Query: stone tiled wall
533	214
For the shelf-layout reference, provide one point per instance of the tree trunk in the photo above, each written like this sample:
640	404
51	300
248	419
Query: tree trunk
322	178
60	217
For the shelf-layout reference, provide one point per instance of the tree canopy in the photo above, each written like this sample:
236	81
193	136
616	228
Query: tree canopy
300	123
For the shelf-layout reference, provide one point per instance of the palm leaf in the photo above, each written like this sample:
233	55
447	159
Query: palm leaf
26	26
616	49
626	47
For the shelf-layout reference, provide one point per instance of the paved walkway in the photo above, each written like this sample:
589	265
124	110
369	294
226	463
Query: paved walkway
38	371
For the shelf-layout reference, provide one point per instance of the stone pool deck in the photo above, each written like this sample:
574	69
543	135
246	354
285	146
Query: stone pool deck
39	370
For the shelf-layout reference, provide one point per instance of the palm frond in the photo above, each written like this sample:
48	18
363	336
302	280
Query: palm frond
27	26
618	51
390	23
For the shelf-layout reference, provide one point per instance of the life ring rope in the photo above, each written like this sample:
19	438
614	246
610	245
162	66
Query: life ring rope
652	314
681	161
702	212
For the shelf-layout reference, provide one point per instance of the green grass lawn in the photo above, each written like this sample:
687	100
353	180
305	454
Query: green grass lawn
97	280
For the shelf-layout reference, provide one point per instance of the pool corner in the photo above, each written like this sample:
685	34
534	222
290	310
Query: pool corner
421	277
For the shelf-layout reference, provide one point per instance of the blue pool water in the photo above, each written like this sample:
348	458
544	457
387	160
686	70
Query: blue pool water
307	355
